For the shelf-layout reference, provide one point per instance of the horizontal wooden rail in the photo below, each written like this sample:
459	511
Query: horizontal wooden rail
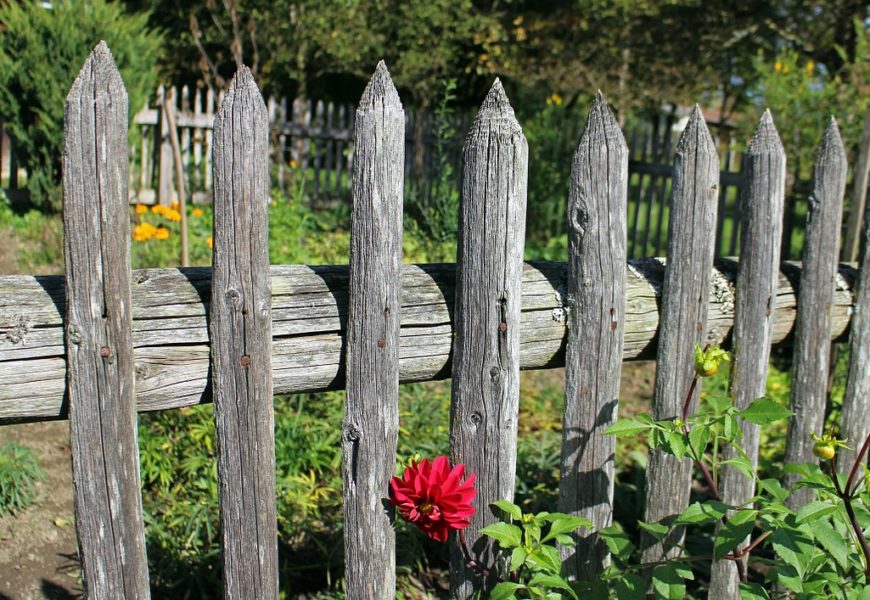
309	307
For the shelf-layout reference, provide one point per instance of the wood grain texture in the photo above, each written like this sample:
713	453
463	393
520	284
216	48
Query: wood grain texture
371	420
761	231
309	310
100	378
812	352
596	321
683	320
241	332
486	360
856	402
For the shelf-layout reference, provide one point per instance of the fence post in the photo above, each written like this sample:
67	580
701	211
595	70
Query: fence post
683	321
164	184
812	349
596	321
757	279
371	421
856	402
241	338
100	372
859	197
486	360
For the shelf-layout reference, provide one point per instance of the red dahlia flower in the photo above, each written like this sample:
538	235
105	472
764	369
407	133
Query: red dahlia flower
433	497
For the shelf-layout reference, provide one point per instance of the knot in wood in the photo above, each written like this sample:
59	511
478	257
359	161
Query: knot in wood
233	298
351	433
73	335
140	277
475	419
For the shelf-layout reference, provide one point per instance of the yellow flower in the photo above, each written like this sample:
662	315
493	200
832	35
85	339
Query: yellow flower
777	66
162	233
811	67
292	164
158	209
144	232
196	212
172	215
141	208
554	99
209	241
175	205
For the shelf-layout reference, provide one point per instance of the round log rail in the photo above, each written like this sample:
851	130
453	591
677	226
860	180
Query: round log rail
309	308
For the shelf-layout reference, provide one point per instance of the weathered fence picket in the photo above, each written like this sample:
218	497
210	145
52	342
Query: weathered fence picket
486	359
102	398
809	388
240	328
754	318
683	322
596	321
371	421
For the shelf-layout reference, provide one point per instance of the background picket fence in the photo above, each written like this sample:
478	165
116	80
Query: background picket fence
102	343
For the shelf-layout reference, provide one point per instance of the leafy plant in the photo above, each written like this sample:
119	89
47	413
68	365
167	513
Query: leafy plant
19	472
42	48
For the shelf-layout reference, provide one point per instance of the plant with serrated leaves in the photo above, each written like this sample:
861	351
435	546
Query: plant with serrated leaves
19	472
535	567
820	549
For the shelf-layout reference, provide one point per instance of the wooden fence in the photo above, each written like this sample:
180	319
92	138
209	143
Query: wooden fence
101	343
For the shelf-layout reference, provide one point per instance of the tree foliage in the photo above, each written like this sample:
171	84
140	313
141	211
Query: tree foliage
41	52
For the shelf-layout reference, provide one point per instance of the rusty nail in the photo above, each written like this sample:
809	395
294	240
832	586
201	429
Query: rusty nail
381	343
502	327
104	352
246	360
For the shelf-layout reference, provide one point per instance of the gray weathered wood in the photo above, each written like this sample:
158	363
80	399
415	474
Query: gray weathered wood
856	402
102	399
761	232
486	362
596	321
809	388
860	179
241	332
309	306
683	319
371	420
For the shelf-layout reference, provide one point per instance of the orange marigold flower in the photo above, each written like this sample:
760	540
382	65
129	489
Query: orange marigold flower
196	212
175	205
162	233
209	241
158	209
141	208
172	215
143	232
433	497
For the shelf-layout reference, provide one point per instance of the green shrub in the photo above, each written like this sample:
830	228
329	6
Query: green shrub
41	52
19	472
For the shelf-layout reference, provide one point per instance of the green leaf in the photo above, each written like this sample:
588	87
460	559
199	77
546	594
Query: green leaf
566	525
617	542
752	591
505	534
742	465
705	512
717	402
667	583
518	557
630	587
764	411
509	508
627	428
678	444
565	540
552	581
733	532
815	510
774	488
658	530
545	558
505	590
793	547
699	437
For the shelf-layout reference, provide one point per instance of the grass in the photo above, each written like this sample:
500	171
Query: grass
19	472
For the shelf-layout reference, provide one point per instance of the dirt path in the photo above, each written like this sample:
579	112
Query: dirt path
38	557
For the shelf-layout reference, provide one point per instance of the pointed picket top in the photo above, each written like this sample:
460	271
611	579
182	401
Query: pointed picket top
99	66
380	90
601	125
496	107
245	87
832	143
696	137
766	139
